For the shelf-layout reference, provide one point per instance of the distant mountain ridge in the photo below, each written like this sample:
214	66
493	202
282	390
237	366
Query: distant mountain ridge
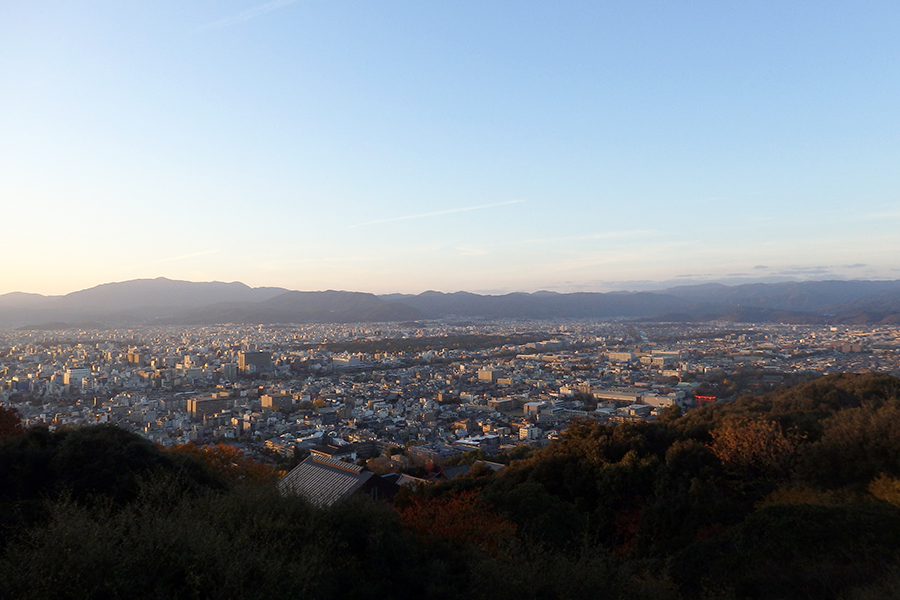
164	301
791	296
125	303
542	305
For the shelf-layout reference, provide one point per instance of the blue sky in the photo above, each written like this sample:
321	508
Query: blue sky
487	146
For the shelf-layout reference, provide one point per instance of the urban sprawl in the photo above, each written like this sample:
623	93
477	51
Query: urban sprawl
436	390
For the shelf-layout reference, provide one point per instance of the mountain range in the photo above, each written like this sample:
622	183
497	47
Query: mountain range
167	302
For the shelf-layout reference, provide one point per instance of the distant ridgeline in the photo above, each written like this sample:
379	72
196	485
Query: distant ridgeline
164	301
795	494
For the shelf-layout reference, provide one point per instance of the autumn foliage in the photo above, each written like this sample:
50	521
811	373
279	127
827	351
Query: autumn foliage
460	519
229	461
788	496
754	444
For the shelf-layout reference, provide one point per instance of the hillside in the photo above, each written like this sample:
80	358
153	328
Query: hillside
792	495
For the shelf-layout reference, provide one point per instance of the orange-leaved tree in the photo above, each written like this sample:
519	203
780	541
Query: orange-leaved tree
756	445
232	462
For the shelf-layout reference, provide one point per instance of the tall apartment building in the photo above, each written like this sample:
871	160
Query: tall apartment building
229	371
254	362
76	376
199	407
276	401
489	375
136	358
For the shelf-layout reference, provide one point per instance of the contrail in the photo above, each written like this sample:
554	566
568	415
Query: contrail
250	13
437	213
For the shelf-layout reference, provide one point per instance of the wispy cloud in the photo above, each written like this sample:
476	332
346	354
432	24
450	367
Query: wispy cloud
436	213
482	249
471	250
250	13
813	270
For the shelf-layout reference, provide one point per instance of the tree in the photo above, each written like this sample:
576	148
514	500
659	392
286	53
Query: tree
10	423
460	519
229	461
857	445
754	445
886	488
90	463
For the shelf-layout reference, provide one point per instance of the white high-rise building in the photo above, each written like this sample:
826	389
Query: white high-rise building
76	376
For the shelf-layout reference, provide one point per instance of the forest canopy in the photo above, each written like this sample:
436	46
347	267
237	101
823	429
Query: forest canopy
794	494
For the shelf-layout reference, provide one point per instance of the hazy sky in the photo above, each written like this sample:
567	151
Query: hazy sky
489	146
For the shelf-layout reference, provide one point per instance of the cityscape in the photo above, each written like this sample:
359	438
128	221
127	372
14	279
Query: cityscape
438	389
506	300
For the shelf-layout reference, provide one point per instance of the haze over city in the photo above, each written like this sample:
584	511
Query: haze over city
490	147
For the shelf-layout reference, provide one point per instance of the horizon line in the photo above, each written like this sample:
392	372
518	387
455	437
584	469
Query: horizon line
644	286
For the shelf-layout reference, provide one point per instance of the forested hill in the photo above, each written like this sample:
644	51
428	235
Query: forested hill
792	495
163	301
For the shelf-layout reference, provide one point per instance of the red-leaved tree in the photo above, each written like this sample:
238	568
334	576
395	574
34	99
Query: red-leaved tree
460	519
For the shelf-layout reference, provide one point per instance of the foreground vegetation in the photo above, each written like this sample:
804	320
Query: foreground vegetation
792	495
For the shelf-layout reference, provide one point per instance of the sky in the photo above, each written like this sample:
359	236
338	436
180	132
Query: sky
490	146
